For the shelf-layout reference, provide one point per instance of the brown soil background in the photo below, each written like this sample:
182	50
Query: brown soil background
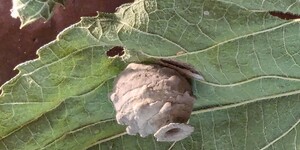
17	46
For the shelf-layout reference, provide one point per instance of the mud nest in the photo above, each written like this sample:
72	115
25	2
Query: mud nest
152	99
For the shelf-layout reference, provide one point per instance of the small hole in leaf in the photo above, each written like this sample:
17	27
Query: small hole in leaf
172	132
285	16
115	51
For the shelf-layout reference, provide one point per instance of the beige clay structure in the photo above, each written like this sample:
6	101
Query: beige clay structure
151	99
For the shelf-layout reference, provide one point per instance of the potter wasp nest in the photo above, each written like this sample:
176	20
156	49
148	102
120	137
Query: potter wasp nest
152	99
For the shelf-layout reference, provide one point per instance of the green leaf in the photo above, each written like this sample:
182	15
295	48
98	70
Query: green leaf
267	5
31	10
64	91
250	61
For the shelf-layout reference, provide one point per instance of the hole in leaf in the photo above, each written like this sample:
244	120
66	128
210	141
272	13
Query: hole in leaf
115	51
285	16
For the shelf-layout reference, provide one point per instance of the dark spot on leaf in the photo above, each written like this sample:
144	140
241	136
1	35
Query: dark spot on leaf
285	16
115	51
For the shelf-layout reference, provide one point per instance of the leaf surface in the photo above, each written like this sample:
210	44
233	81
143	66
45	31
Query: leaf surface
249	99
31	10
268	5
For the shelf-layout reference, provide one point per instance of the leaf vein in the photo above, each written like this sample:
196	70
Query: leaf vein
281	136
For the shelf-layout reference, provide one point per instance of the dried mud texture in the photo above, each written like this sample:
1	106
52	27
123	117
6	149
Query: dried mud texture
151	99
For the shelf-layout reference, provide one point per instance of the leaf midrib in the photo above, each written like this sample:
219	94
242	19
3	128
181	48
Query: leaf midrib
211	47
199	111
250	80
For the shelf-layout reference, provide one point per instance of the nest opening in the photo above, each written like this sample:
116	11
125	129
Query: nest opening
172	132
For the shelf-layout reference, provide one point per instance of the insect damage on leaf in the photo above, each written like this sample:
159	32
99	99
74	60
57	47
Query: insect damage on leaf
152	99
115	52
285	16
